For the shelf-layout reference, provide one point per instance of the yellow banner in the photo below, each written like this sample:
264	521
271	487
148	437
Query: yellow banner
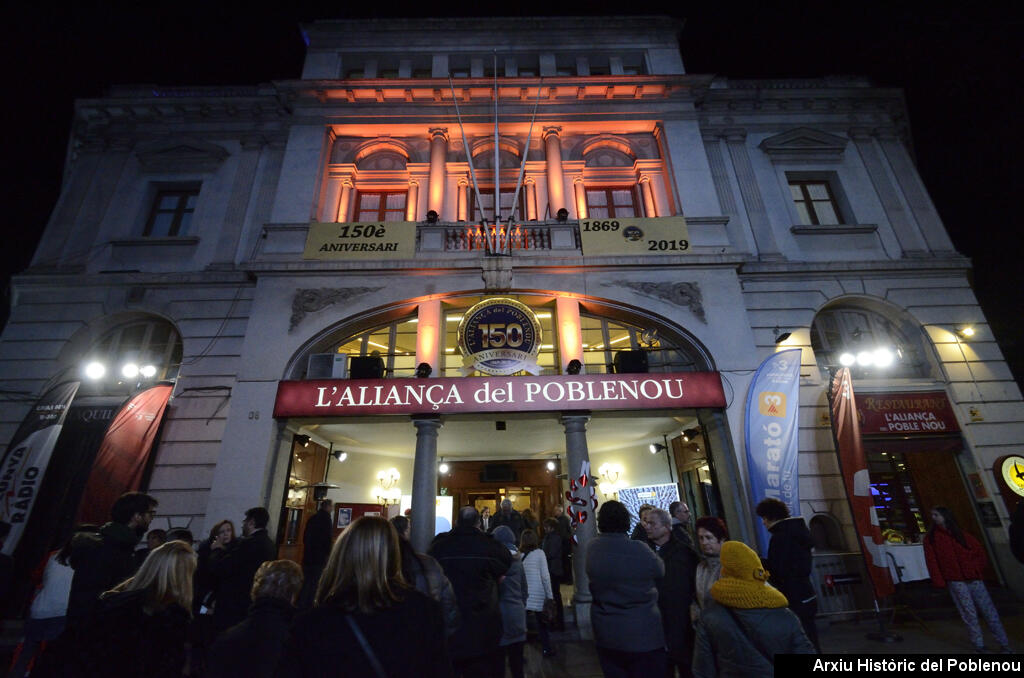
361	240
634	235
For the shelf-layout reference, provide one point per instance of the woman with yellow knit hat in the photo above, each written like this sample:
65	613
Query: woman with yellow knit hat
741	635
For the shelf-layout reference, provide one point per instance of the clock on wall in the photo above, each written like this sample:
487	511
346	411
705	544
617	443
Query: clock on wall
1010	472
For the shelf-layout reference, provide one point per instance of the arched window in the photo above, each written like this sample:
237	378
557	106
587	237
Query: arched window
603	338
151	342
857	331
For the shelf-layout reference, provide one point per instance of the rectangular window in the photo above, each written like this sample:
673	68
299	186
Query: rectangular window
172	212
381	206
487	198
611	201
815	202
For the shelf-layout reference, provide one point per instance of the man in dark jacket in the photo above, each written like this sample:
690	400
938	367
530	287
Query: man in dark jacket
104	560
623	576
676	591
680	513
317	539
789	561
509	517
254	647
233	568
475	564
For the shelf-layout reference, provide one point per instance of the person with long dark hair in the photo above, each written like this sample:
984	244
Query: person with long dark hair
362	606
956	560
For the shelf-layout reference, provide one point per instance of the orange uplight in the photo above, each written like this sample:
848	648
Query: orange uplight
428	332
570	336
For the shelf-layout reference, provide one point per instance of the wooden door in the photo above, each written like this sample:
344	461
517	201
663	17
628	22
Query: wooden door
938	482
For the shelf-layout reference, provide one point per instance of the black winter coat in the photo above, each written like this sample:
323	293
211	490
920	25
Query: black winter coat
233	570
119	638
552	546
789	559
676	592
473	563
514	520
101	562
1017	531
426	576
407	639
252	648
317	539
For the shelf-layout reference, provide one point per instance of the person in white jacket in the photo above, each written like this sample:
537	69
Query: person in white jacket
48	613
538	583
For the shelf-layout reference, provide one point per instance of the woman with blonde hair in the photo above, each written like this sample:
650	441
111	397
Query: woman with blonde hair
362	605
137	629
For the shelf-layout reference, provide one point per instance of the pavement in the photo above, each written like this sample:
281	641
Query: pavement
941	633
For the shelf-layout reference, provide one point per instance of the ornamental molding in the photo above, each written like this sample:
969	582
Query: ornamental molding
684	294
182	154
308	301
804	144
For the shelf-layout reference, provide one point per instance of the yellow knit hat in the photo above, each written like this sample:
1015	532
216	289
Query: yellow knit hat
744	583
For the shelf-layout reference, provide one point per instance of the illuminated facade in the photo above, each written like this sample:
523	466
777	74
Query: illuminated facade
190	209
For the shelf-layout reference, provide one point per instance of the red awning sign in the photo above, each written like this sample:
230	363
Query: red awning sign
361	397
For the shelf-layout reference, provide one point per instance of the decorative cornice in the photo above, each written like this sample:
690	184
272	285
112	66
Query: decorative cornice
804	144
308	301
184	154
684	294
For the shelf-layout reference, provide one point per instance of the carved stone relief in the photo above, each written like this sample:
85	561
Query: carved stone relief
311	301
685	294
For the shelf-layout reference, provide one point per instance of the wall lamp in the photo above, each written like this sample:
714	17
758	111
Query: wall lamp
339	455
780	335
656	447
431	217
388	479
965	332
691	434
424	370
574	367
562	215
552	464
443	468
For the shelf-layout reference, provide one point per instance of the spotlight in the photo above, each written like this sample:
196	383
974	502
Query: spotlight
562	215
865	358
95	370
847	359
130	370
431	217
966	332
883	357
656	447
302	439
551	466
573	367
443	468
691	434
781	336
148	371
339	455
423	370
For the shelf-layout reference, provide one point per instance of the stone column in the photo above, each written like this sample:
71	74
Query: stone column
909	180
332	199
570	336
531	199
412	200
909	238
241	194
553	158
424	482
576	453
581	197
757	215
645	190
430	334
463	206
438	174
344	203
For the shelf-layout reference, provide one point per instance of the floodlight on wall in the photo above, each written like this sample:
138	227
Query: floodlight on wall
129	370
423	370
302	439
95	370
552	463
781	335
148	371
879	357
656	447
562	215
574	367
443	468
965	332
431	217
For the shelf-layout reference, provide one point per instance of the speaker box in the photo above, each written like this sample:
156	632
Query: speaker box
366	367
630	362
498	473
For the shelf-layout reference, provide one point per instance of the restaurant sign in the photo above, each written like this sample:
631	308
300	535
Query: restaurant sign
921	413
451	395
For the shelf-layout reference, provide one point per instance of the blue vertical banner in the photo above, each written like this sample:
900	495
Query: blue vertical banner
771	434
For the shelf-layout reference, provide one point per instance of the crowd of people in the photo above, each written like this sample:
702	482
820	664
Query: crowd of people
665	600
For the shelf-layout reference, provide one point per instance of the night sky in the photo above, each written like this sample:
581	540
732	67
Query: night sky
961	70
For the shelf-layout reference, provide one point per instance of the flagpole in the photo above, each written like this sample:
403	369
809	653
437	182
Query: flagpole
497	166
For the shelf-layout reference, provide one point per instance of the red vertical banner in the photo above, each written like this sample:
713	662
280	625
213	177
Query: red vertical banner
124	453
854	467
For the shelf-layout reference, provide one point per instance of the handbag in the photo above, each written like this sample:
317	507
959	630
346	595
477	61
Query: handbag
550	613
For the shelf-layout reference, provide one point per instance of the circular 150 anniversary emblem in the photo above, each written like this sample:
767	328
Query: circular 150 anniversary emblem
500	336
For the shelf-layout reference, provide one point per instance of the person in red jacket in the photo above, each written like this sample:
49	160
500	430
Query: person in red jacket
956	559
